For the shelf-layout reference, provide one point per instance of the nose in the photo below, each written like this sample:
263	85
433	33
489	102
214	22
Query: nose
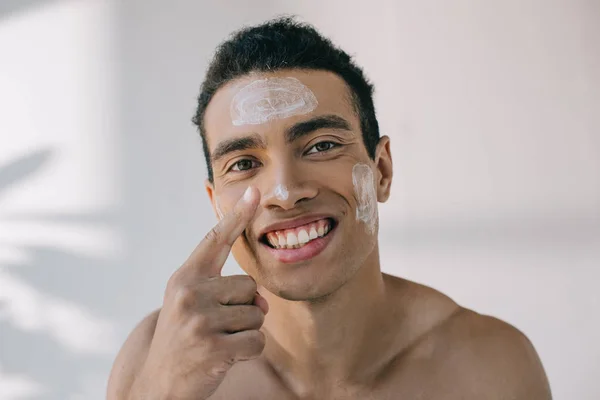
286	186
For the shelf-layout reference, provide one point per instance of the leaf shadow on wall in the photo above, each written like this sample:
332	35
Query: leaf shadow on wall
8	7
52	308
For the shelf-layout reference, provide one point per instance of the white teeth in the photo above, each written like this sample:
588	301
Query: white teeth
294	240
303	237
272	240
291	239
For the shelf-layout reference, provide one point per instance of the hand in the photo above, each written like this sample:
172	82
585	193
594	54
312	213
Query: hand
208	322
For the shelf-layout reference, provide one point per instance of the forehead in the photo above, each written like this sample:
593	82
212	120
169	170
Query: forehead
330	91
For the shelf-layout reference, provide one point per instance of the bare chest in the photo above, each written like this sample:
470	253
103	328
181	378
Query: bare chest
418	381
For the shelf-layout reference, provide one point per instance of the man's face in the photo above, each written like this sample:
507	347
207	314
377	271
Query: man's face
296	137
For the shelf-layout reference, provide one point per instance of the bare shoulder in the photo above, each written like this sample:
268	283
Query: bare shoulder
493	359
468	355
131	358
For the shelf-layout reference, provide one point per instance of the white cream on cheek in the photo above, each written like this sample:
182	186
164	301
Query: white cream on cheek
218	208
265	99
366	197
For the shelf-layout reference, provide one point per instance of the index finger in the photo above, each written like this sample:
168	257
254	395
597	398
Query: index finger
212	252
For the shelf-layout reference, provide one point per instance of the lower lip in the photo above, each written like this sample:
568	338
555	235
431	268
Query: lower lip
304	253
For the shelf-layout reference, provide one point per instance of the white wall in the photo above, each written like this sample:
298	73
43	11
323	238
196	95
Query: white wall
493	109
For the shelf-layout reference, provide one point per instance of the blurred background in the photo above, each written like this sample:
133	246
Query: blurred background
493	109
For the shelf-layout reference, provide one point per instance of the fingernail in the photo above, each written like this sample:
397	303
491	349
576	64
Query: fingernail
248	195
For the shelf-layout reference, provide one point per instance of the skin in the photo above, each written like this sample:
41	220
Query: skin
338	328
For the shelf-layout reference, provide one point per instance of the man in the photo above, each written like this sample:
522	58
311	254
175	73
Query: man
296	167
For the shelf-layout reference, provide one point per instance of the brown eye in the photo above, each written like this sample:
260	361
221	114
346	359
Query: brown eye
321	147
243	165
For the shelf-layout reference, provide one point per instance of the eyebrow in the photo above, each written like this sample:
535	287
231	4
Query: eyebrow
295	132
253	141
304	128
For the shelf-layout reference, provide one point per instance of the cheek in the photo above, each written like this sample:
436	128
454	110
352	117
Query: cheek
226	200
339	179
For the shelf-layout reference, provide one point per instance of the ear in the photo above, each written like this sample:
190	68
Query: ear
210	190
383	161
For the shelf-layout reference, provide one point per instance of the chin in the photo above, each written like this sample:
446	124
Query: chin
305	287
293	294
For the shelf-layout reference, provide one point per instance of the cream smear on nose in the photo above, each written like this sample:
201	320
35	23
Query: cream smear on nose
364	190
281	192
265	99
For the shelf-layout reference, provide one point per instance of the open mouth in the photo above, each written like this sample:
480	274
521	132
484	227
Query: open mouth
300	236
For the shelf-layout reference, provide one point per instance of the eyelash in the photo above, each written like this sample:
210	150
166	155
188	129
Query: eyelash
333	146
239	161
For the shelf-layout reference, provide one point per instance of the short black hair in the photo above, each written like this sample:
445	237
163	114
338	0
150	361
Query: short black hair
284	43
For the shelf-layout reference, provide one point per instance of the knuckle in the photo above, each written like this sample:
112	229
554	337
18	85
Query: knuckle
248	282
173	283
215	235
256	340
212	344
229	358
252	286
220	368
199	323
184	297
258	315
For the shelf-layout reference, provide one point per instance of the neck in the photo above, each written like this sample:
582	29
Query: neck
339	338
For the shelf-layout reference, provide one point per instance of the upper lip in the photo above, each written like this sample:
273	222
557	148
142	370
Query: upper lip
293	223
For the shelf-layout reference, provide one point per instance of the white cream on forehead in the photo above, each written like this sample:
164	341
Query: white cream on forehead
364	190
265	99
281	192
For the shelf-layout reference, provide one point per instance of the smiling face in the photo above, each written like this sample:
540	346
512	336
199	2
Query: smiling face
296	137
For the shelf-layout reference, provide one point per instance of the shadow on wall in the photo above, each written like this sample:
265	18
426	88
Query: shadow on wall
48	329
8	7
